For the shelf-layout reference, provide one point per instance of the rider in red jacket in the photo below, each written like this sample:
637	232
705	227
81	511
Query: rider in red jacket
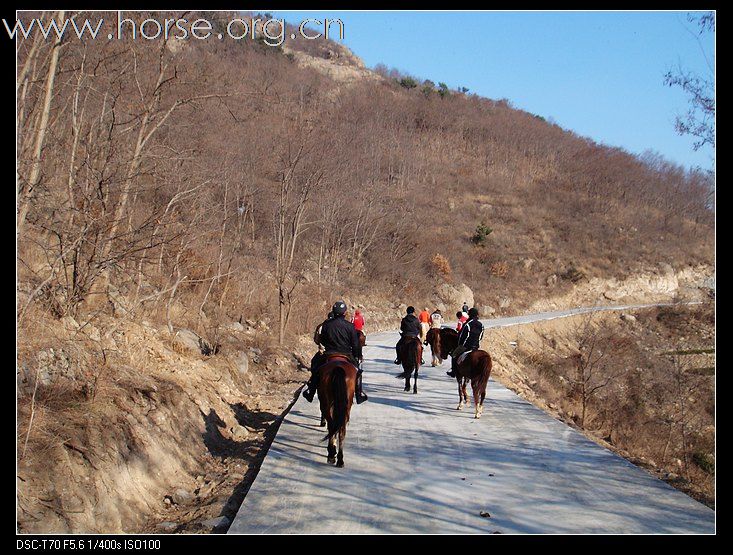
358	320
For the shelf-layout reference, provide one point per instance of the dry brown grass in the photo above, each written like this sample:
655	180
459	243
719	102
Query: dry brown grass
653	407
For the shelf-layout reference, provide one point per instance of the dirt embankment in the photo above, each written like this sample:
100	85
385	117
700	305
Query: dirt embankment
133	430
641	383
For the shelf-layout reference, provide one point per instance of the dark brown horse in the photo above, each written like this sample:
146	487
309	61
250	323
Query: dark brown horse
411	356
336	394
476	367
435	338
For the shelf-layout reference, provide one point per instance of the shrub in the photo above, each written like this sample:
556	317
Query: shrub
441	265
572	274
705	461
482	232
499	269
408	83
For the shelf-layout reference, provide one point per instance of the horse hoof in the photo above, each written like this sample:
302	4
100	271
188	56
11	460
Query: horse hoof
331	460
414	392
340	464
406	389
459	407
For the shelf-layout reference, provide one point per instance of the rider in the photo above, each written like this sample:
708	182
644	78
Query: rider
358	320
409	327
338	336
424	323
436	319
462	319
468	340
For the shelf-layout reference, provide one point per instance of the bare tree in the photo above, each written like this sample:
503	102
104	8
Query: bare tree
699	121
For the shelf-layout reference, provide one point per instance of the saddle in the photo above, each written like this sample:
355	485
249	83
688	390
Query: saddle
462	358
334	356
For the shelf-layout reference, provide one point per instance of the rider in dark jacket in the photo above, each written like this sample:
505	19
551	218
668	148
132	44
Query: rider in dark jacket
409	327
468	340
338	336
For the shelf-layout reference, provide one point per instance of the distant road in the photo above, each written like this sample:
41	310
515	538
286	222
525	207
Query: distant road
416	465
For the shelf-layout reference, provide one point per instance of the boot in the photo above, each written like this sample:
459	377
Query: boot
311	387
360	395
453	368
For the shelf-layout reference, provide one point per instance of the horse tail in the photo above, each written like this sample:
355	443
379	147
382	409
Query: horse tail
484	370
414	353
340	402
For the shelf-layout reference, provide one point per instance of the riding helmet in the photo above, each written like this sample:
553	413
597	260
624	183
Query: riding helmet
339	308
411	310
473	312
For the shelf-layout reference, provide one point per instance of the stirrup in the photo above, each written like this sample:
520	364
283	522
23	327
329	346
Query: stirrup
361	397
309	395
397	361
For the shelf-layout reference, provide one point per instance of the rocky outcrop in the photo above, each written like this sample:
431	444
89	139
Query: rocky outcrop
343	67
452	297
664	284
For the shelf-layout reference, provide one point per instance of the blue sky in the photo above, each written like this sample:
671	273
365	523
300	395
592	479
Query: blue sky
599	74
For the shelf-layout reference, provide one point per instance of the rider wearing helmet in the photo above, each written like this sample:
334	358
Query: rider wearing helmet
468	340
409	327
338	336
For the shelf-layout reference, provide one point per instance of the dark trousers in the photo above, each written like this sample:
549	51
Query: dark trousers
401	342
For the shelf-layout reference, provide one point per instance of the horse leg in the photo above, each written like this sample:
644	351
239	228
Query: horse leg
476	398
414	389
408	373
464	383
342	439
331	450
460	395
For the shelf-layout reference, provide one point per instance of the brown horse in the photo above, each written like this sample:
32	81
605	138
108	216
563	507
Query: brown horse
336	389
411	356
476	367
362	338
434	338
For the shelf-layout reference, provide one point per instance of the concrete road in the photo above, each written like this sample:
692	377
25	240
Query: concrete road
416	465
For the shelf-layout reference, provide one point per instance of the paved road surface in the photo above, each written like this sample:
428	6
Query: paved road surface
416	465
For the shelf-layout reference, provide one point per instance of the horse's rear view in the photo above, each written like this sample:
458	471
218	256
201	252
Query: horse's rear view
336	395
476	367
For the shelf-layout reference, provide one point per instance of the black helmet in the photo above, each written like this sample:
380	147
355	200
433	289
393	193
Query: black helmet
473	312
411	310
339	308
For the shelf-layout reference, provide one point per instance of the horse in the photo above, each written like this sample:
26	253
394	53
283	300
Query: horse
434	338
411	356
476	367
336	389
362	338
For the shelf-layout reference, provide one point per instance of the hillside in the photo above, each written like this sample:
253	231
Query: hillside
187	215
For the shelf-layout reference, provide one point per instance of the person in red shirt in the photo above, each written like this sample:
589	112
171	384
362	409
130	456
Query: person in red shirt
424	319
358	320
462	319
